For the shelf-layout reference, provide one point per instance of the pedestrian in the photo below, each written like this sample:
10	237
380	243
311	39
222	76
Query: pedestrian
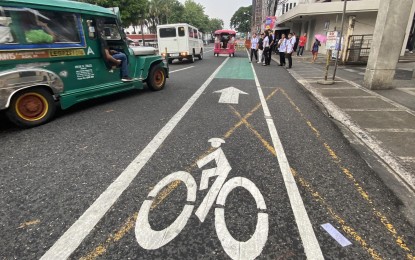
289	51
275	49
314	50
266	48
254	47
301	44
294	41
410	44
271	45
261	48
282	47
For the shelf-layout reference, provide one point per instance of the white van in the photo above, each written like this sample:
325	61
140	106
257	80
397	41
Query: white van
182	41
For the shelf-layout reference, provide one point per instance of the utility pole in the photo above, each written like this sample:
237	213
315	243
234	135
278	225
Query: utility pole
340	40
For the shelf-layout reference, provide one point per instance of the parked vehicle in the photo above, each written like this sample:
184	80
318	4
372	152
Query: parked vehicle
224	42
52	50
182	41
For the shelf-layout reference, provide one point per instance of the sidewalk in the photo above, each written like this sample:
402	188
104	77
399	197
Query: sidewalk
384	121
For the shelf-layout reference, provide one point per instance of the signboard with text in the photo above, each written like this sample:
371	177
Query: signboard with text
331	40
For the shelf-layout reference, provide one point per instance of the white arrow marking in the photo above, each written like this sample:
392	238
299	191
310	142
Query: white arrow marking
230	95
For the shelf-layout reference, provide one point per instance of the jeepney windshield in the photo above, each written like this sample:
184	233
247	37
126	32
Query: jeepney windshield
26	26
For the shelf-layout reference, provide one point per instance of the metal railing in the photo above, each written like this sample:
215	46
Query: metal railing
358	48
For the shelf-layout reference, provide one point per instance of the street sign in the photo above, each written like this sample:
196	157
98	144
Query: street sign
331	40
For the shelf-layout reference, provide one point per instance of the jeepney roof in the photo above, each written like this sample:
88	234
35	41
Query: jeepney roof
61	5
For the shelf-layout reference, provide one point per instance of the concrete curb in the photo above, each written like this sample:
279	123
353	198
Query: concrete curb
362	135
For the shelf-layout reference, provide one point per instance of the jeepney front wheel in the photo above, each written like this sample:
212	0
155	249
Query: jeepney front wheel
156	78
31	107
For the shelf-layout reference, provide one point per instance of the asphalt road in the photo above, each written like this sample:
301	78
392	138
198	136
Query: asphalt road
78	186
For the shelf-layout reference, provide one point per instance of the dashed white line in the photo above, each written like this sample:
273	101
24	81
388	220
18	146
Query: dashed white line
181	69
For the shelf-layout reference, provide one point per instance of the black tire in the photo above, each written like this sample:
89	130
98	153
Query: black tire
31	107
156	78
230	55
201	54
192	58
180	59
170	61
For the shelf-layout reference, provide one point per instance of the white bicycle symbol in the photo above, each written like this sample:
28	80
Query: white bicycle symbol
153	239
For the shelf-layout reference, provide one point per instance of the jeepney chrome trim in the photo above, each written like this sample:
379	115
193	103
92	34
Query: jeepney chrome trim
14	80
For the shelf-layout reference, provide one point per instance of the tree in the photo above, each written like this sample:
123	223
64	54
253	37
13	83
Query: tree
129	9
194	14
241	19
215	24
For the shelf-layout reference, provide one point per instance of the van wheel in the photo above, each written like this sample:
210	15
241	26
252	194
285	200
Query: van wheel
201	54
192	58
156	78
31	107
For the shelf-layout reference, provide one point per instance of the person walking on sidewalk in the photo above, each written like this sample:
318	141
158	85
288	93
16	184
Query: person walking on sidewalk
266	49
294	41
254	47
261	48
301	44
314	50
289	51
282	47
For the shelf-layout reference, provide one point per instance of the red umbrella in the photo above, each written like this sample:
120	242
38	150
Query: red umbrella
321	37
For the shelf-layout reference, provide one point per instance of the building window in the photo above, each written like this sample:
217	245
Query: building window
295	4
283	8
291	6
286	7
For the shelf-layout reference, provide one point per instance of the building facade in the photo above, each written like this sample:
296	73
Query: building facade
319	16
260	10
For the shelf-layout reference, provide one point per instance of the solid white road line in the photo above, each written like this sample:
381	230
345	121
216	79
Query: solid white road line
73	237
181	69
311	247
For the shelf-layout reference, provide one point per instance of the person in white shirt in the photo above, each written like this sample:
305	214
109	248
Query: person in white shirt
289	51
282	47
261	48
254	47
294	41
266	49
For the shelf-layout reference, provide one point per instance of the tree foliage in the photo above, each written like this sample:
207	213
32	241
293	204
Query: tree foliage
215	24
150	13
135	10
241	19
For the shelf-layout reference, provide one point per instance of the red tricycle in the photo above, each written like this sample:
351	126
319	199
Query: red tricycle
224	42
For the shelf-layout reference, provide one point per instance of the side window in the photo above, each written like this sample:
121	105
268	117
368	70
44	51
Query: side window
190	32
167	32
182	32
6	35
194	33
24	26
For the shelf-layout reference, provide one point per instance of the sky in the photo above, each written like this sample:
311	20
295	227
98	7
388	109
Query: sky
222	9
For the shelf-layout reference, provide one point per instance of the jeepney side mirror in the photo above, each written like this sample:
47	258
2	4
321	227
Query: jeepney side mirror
91	29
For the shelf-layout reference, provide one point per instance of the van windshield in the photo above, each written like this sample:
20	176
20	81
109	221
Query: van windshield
167	32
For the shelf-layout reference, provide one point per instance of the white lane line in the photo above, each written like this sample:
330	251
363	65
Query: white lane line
181	69
343	241
351	97
308	237
74	236
351	70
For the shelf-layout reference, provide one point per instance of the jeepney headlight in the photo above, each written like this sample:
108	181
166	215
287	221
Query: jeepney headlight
184	53
163	54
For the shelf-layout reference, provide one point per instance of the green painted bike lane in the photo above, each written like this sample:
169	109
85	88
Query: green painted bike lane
236	68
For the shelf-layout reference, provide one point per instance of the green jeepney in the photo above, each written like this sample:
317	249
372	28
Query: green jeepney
61	50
